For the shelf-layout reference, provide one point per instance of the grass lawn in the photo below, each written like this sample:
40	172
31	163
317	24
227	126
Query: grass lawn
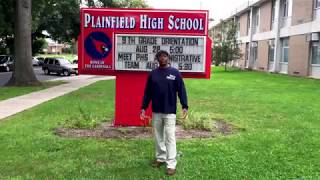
9	92
280	114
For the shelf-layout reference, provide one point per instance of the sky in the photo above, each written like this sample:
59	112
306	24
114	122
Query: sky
218	9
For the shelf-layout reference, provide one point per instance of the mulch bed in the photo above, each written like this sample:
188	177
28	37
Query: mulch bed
106	130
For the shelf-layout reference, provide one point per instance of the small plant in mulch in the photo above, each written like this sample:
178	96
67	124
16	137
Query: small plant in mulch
85	120
197	125
197	120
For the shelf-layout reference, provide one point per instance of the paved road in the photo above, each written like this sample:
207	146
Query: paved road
5	76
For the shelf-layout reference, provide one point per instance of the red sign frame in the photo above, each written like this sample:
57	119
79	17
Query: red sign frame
105	23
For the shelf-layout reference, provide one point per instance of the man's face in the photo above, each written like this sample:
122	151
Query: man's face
163	60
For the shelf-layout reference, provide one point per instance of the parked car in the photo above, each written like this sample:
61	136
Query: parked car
35	61
40	60
59	66
6	63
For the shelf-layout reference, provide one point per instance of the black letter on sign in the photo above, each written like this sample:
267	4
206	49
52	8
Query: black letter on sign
124	40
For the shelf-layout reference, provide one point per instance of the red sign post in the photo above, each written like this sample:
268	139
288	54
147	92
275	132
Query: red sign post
123	43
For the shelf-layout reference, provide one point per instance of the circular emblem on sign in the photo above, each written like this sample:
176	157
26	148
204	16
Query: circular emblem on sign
98	45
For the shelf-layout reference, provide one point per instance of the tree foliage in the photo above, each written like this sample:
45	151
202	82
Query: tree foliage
6	25
38	44
226	46
118	3
6	18
59	18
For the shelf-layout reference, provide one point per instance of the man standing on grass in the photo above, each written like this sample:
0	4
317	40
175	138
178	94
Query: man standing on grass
162	87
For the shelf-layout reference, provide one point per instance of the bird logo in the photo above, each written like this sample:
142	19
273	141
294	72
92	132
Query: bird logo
101	47
98	45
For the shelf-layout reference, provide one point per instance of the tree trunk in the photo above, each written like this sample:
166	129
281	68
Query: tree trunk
23	74
225	66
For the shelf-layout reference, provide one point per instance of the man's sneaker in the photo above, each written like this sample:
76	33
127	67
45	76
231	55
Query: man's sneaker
170	171
157	164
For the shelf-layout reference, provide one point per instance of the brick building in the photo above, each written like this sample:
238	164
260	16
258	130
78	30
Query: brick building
278	36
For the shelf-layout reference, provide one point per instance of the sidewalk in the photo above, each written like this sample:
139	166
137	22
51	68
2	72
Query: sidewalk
18	104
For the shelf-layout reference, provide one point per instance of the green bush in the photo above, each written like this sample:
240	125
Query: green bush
38	45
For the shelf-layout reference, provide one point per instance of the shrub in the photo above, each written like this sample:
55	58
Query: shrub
197	120
85	120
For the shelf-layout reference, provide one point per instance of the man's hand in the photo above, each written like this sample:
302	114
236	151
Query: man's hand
143	114
184	113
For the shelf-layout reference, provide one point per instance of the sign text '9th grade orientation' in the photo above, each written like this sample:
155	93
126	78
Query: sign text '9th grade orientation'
137	52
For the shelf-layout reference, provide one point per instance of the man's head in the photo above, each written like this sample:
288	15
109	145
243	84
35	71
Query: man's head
163	58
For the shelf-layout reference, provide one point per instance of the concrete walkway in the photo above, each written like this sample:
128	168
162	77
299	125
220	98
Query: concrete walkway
18	104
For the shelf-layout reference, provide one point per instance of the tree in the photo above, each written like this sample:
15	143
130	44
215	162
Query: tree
23	74
59	18
226	46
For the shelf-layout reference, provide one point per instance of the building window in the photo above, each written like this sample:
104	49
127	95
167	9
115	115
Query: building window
255	21
271	51
285	8
315	54
247	52
317	3
273	11
257	18
238	27
317	9
248	23
246	62
285	20
254	52
285	50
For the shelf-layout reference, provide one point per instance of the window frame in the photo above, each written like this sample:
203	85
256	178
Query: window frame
273	11
283	47
317	4
316	9
271	47
247	51
248	23
257	18
315	44
254	51
285	8
238	27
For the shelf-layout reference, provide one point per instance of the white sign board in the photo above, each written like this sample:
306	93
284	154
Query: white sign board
136	52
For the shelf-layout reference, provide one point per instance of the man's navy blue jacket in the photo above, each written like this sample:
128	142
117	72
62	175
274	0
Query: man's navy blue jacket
162	87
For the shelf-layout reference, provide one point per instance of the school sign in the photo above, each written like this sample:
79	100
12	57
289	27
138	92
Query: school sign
123	43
